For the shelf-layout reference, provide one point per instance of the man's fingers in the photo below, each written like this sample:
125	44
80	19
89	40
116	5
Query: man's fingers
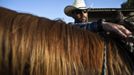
118	29
121	33
125	31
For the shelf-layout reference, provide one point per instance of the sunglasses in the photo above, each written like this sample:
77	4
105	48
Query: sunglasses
80	11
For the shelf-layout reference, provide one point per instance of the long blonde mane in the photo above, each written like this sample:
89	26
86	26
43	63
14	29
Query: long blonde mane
31	45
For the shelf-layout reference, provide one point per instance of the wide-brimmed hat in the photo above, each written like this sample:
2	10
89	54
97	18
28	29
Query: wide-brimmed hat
78	4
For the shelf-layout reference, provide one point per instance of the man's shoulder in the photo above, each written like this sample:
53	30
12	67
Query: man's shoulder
80	25
72	23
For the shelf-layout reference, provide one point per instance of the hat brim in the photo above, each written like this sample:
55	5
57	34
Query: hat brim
69	9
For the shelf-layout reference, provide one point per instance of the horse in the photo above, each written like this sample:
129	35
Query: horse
33	45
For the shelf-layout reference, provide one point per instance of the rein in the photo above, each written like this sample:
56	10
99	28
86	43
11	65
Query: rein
105	55
127	44
104	66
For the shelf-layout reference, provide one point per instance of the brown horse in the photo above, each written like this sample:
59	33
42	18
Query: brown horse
31	45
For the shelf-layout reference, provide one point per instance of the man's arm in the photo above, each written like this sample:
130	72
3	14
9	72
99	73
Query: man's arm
105	26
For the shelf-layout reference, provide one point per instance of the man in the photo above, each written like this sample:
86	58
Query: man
79	12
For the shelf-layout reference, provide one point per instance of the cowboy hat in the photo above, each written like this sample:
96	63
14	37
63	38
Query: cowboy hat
78	4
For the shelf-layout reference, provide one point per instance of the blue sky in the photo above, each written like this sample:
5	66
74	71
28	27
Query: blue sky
53	9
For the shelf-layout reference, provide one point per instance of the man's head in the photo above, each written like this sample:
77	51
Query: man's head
80	16
78	11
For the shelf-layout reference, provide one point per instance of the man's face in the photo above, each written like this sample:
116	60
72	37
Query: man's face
80	16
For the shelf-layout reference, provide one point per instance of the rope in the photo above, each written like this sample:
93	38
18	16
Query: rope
104	67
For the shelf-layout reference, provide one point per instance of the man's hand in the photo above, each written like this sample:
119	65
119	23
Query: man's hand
116	28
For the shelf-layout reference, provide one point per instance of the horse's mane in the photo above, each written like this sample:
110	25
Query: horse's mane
32	45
